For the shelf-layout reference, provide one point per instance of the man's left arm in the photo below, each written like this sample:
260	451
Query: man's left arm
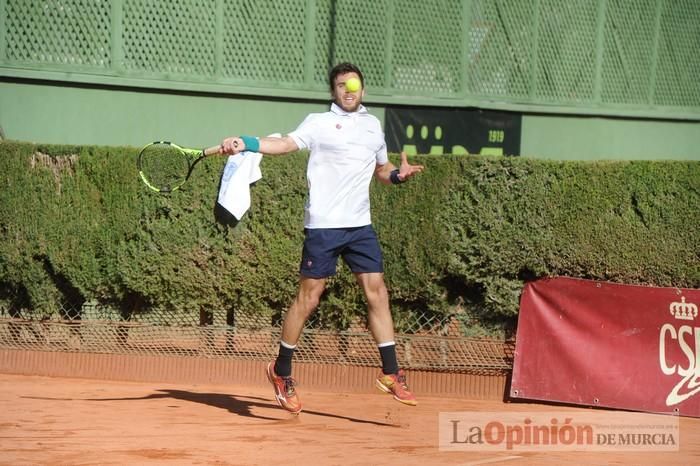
390	174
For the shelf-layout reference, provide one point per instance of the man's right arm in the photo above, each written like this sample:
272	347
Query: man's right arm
278	146
268	145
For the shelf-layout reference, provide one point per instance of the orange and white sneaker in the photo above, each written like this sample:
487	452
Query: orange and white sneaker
285	393
395	384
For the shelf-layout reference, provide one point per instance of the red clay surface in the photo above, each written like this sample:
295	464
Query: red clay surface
46	420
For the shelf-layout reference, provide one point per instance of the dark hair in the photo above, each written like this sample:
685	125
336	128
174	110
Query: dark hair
342	68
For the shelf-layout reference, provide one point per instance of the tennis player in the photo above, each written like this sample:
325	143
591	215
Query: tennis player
347	149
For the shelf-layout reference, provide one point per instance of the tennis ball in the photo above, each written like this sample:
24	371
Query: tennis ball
353	85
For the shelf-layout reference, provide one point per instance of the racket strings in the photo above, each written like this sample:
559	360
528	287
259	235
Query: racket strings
163	166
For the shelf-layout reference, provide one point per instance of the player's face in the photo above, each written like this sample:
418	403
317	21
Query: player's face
348	101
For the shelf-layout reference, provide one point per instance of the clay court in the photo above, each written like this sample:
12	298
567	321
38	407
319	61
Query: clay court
82	421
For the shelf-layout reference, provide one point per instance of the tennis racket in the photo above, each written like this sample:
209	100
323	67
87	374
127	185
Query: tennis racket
164	167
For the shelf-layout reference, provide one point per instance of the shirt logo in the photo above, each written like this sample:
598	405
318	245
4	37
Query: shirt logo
338	126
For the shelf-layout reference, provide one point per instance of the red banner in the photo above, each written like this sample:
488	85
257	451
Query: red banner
603	344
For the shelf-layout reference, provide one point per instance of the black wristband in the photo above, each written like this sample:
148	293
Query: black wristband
394	177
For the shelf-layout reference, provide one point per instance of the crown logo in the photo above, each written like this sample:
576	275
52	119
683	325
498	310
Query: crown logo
683	310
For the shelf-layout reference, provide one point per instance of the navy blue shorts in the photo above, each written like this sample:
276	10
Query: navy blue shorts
358	247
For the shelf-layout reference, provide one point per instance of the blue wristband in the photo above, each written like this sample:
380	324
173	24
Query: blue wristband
251	143
394	177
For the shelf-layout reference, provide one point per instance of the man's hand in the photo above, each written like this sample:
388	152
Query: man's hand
232	145
390	174
407	170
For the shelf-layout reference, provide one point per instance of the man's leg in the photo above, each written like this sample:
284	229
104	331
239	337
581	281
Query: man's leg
306	301
392	380
379	315
279	373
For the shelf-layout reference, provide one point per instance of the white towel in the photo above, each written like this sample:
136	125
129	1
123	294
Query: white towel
240	171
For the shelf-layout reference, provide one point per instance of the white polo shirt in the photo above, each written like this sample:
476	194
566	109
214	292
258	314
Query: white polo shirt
345	150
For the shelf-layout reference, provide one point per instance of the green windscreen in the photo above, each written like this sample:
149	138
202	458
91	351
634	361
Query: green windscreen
609	57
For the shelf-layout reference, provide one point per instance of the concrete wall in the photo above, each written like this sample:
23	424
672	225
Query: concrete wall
45	112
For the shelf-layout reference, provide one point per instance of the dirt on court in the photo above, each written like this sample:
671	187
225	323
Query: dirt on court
45	420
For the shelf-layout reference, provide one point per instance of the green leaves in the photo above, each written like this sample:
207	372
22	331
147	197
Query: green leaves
459	239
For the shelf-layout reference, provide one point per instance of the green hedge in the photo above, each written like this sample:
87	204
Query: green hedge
76	224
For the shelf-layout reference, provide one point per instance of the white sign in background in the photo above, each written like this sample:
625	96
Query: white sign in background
558	431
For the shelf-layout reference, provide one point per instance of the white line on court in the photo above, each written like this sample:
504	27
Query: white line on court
492	460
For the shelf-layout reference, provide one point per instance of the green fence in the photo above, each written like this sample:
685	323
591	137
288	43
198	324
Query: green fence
607	57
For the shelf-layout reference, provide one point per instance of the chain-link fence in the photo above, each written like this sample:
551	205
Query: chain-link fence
431	343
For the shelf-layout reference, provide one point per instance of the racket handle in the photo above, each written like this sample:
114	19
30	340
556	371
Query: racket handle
213	150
